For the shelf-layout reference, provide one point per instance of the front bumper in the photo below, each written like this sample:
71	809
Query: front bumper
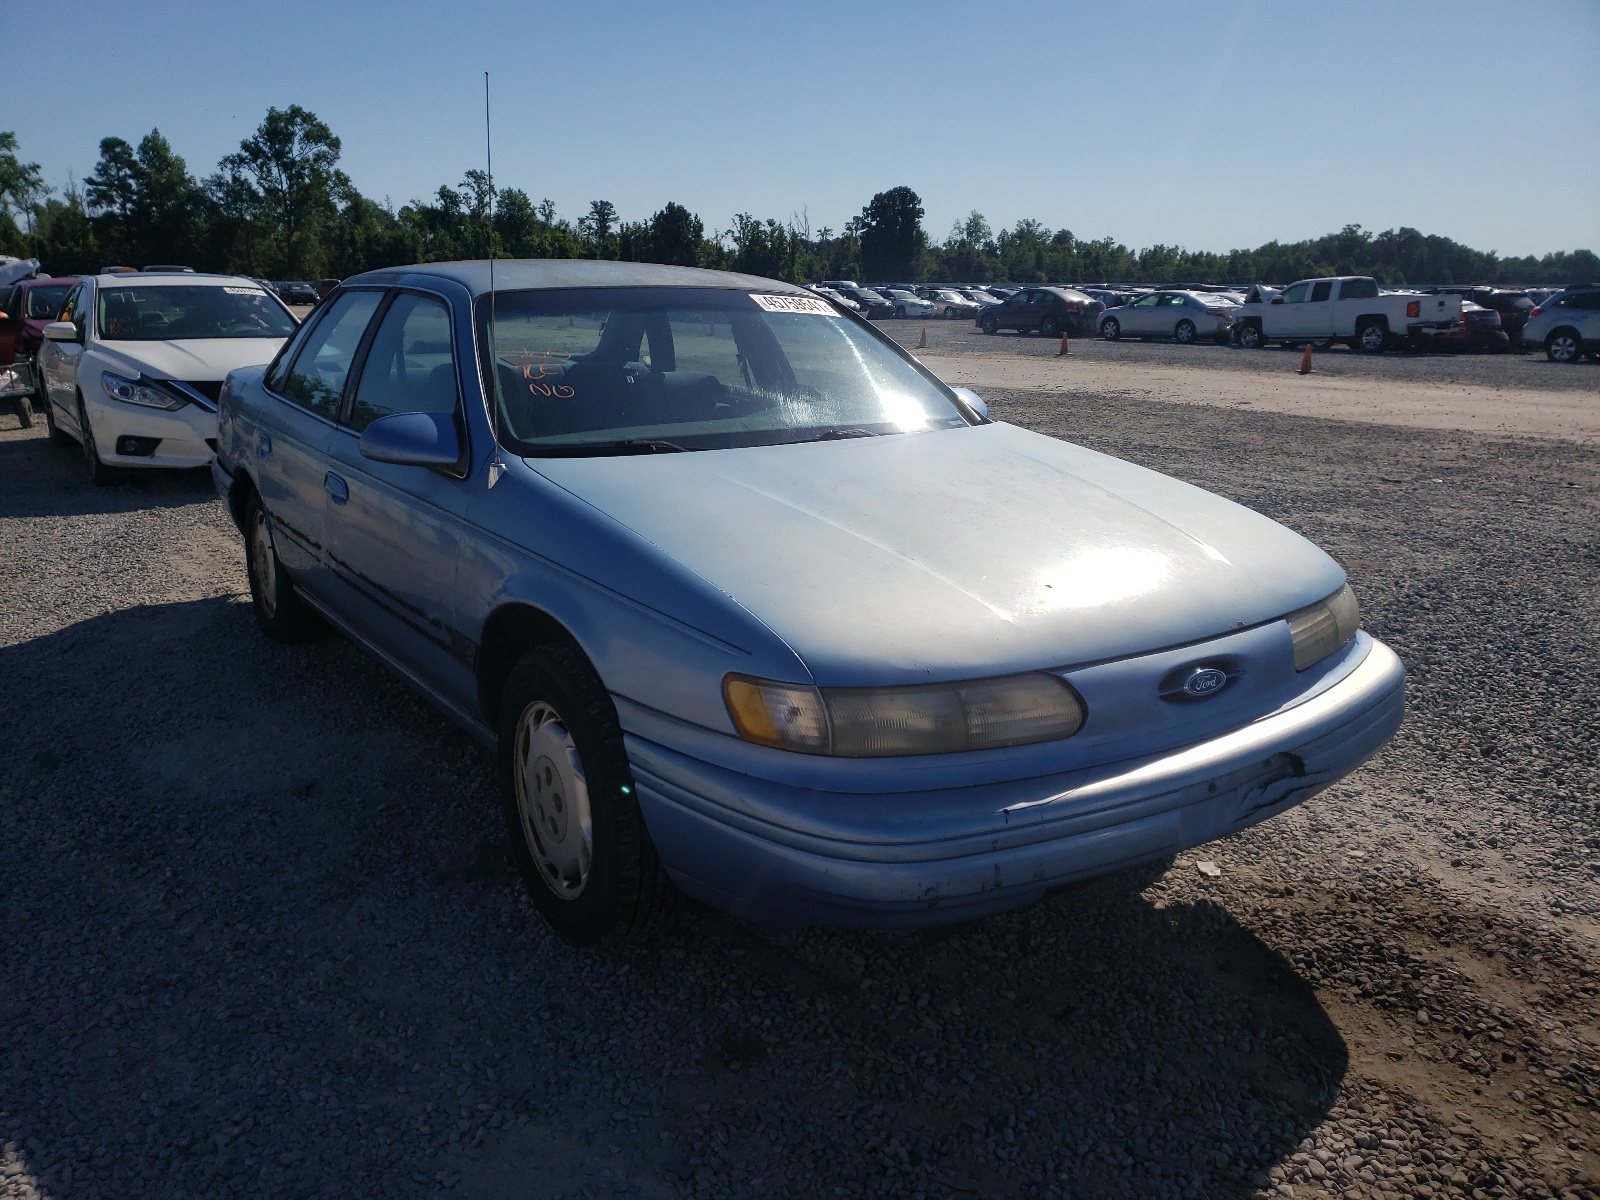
1071	827
186	437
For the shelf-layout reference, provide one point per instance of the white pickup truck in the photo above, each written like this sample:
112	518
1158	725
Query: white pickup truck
1347	308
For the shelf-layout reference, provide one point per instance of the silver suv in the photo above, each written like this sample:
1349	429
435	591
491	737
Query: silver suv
1567	324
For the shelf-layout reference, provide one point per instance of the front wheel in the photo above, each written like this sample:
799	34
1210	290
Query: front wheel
1250	337
900	311
1110	329
1563	346
100	474
1184	332
988	324
280	612
571	808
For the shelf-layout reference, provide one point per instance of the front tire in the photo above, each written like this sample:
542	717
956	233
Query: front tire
1184	332
900	312
988	324
58	436
280	612
1110	329
571	807
1563	346
100	474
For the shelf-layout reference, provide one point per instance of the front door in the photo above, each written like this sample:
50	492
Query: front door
393	531
1285	316
1141	316
58	361
292	442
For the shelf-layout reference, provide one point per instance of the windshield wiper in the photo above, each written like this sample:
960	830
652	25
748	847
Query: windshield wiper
834	435
643	446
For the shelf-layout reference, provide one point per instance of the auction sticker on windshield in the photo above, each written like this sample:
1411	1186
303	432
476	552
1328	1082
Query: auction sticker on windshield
795	304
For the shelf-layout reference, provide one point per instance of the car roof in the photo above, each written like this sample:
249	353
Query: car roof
524	274
170	278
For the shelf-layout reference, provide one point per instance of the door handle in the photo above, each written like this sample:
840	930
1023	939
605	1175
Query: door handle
338	489
263	445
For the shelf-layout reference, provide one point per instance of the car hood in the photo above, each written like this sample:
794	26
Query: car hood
956	554
200	359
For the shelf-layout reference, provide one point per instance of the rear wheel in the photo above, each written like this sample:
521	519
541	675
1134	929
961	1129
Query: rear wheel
100	474
1110	329
1250	337
1184	332
280	612
988	324
1372	337
1563	346
571	809
1049	327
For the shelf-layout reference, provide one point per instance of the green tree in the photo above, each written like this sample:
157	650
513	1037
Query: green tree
21	185
674	235
892	238
599	229
291	165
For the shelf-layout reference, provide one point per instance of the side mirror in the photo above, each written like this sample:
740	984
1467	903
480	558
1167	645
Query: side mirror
413	440
974	401
61	331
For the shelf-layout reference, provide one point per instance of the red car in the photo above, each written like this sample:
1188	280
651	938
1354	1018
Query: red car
28	307
1480	329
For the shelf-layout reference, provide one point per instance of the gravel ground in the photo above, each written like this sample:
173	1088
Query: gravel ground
259	937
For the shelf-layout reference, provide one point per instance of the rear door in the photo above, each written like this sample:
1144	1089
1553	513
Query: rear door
293	433
393	531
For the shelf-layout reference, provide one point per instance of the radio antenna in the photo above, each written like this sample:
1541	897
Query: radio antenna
495	465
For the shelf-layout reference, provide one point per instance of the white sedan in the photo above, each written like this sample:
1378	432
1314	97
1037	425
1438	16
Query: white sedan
908	304
1182	316
133	370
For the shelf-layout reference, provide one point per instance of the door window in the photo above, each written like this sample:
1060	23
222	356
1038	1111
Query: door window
1321	291
76	308
1170	300
320	369
1296	294
1148	302
410	368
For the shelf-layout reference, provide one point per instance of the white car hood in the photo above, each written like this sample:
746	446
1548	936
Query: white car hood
196	360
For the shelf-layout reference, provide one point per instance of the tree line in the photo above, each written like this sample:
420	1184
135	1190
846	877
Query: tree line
279	207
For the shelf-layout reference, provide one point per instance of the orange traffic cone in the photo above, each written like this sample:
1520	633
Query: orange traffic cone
1305	360
922	342
1062	353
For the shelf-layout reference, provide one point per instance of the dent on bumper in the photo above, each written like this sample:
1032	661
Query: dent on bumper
1079	826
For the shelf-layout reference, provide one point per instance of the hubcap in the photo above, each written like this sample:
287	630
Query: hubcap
1109	331
1563	348
1371	337
1185	332
264	565
553	800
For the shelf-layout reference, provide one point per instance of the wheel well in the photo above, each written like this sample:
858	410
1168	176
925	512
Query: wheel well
239	495
1371	319
1563	329
509	633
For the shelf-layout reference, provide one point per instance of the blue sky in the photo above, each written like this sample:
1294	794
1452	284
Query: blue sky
1211	126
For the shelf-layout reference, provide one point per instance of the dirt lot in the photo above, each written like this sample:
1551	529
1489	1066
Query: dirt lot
259	938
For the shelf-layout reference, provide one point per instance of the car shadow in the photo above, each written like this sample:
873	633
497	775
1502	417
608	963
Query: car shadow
261	936
44	480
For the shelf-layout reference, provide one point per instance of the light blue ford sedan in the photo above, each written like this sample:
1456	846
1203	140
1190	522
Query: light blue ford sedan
752	606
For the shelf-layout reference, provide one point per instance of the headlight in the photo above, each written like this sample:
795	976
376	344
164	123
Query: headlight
883	722
1321	628
139	391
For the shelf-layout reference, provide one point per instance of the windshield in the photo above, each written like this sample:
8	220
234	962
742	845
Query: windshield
618	370
45	302
182	312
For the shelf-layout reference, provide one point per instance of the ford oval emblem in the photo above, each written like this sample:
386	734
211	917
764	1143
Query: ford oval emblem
1205	681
